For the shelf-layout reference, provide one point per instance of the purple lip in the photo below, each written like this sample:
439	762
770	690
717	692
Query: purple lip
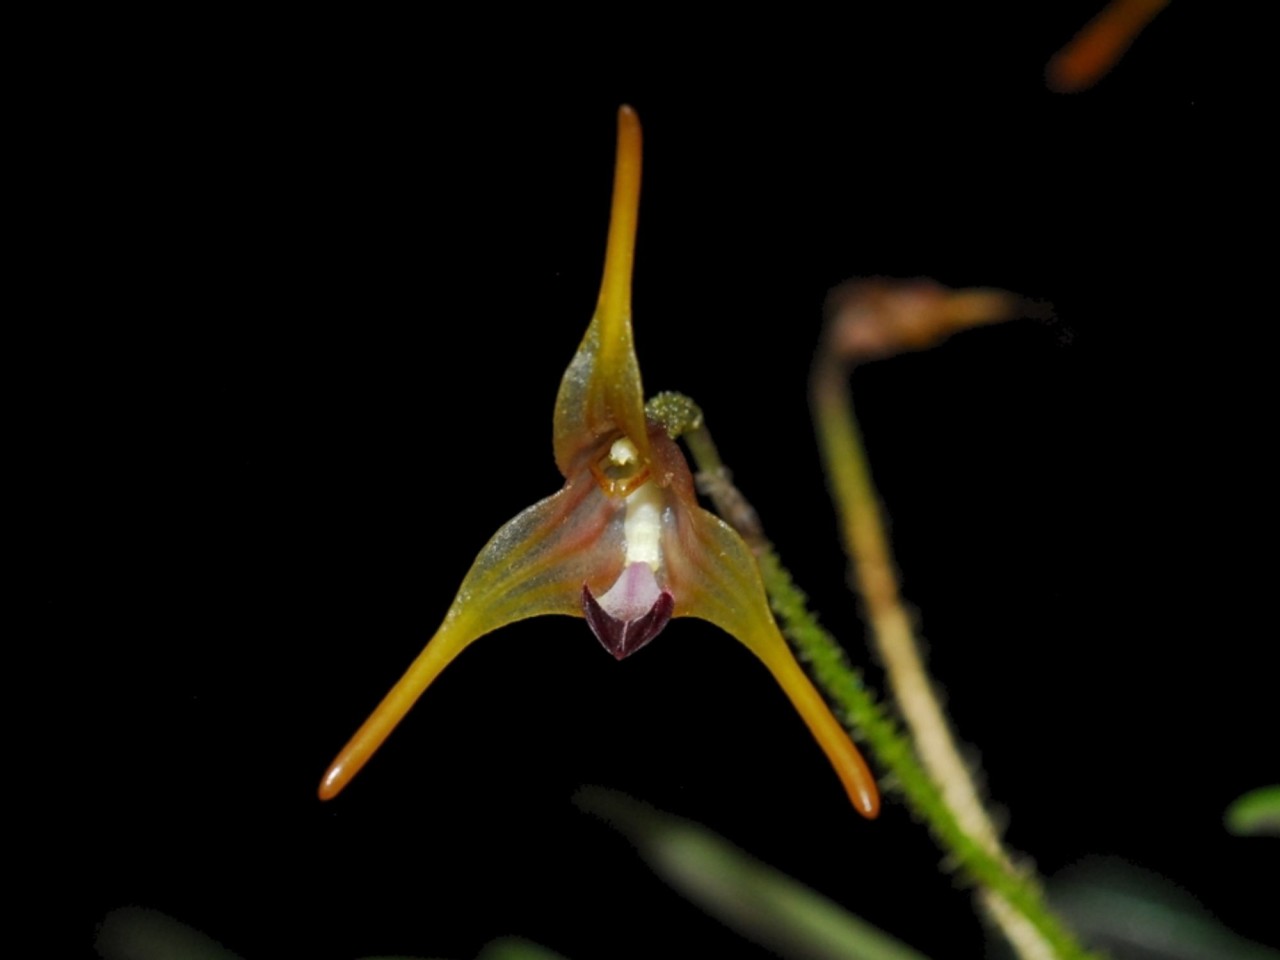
631	613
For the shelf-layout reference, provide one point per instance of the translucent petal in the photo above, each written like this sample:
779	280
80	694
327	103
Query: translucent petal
714	577
601	390
535	564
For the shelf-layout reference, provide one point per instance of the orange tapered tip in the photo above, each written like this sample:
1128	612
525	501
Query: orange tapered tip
365	743
435	656
333	782
1099	46
859	784
845	758
867	802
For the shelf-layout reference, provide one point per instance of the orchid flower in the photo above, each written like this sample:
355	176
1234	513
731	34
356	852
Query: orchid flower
623	543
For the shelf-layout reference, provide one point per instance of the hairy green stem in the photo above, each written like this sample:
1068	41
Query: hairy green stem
874	726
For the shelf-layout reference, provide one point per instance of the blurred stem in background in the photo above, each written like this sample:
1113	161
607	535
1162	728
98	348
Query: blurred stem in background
868	321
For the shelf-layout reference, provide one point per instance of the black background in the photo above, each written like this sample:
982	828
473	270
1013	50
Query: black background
312	289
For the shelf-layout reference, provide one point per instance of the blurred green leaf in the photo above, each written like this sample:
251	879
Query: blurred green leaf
1134	914
751	897
1257	812
138	933
504	948
514	948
